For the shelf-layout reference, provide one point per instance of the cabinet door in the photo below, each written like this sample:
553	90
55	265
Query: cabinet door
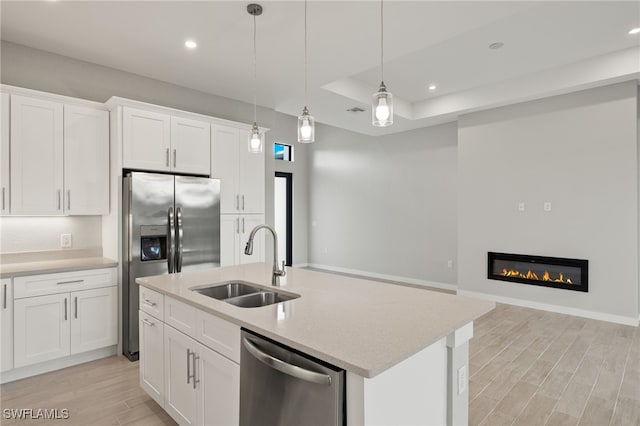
152	357
247	223
229	251
145	139
93	319
224	166
36	156
190	146
181	394
86	160
219	389
41	329
251	180
6	325
4	155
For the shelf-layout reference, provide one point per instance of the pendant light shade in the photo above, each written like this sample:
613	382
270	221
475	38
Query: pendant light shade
306	127
306	123
382	107
382	102
255	141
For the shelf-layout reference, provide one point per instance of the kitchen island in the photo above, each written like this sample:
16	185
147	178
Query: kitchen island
404	349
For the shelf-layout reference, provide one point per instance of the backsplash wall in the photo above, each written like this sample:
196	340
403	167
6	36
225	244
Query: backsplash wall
20	234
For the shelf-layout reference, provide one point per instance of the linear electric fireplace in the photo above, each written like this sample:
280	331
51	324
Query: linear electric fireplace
557	272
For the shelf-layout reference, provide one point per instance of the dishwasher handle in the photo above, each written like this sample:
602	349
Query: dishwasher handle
286	368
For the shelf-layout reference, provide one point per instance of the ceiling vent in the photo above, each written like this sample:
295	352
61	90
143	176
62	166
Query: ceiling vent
355	109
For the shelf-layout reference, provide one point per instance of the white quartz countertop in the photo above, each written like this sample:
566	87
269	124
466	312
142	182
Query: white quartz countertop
362	326
8	270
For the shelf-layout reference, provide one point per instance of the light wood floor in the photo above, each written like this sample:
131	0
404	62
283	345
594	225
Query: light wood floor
527	367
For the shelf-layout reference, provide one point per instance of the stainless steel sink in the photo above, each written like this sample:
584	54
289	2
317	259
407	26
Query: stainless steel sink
243	294
227	290
256	300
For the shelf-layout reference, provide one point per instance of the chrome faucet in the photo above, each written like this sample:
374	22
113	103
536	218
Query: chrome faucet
248	250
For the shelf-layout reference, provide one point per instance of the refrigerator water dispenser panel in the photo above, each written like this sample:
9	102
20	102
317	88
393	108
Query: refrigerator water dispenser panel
153	243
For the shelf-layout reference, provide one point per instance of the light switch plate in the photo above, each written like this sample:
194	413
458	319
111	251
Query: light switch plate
547	206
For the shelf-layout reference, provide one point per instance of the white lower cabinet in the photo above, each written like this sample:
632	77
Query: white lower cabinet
41	329
6	325
94	324
152	357
194	383
63	322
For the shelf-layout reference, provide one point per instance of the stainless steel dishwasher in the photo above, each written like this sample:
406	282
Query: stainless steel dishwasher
280	386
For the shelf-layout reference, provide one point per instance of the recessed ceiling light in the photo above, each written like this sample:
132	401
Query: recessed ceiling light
496	45
432	87
634	31
190	44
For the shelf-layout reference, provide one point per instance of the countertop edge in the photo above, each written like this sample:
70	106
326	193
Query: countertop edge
12	270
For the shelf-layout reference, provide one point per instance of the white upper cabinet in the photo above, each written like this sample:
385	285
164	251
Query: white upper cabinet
36	156
161	142
4	155
241	172
224	166
86	160
146	140
190	146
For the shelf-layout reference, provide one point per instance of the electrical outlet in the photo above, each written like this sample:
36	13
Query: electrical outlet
462	379
449	264
521	206
65	241
547	206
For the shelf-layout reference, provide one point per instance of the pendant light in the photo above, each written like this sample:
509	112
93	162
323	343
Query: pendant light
306	124
255	142
382	105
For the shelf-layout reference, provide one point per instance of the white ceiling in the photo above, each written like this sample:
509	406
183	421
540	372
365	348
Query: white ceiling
445	43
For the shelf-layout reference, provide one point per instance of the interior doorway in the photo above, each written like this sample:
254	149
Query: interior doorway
283	214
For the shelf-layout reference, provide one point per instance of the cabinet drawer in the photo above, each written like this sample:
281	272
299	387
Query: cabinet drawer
152	302
180	316
218	334
63	282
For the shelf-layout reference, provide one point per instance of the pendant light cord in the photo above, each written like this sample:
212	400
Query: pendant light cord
305	54
255	73
382	40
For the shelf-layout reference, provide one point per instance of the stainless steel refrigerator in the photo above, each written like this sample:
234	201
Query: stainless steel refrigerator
170	224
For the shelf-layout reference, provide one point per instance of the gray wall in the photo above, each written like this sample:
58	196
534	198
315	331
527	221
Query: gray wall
578	151
39	70
385	205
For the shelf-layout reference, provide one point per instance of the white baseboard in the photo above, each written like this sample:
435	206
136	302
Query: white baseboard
300	265
385	277
601	316
56	364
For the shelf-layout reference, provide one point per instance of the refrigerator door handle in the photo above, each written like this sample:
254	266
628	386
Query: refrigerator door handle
171	261
179	238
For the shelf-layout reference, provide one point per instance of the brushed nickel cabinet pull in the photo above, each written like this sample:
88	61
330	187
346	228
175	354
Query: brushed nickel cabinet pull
59	201
175	155
242	202
69	282
167	157
149	302
243	225
149	323
237	202
3	202
195	360
68	199
65	308
4	297
75	301
188	366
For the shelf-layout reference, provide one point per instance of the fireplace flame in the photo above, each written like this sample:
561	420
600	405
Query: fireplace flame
533	276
